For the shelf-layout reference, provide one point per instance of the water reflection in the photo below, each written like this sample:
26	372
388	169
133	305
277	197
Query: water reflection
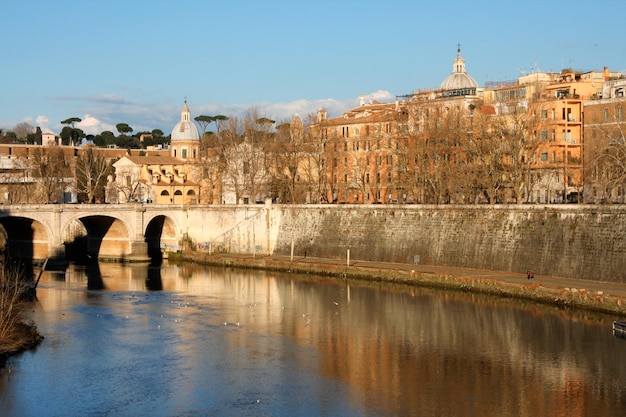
205	341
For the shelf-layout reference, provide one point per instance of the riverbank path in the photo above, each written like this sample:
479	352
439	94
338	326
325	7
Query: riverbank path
604	287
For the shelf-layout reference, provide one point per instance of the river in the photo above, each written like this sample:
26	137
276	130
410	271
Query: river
128	340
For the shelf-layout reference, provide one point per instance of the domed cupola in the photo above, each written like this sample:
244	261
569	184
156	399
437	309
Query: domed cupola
185	143
459	79
185	129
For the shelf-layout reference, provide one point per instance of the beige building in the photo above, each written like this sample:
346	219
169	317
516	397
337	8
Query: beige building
605	145
388	152
551	105
161	179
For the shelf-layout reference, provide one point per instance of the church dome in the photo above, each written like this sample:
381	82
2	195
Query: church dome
185	129
459	79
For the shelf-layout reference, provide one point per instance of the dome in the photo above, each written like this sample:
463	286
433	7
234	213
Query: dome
185	129
459	79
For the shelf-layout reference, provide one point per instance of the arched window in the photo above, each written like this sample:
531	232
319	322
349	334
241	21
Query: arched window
178	192
164	192
191	192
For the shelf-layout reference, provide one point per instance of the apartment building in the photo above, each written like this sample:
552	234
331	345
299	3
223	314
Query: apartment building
605	144
553	110
391	152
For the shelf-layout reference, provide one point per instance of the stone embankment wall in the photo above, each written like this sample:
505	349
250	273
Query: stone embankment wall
577	241
586	242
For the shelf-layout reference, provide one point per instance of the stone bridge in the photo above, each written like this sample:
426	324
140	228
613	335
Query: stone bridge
125	232
568	240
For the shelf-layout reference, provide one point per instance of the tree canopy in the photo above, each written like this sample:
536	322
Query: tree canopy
123	128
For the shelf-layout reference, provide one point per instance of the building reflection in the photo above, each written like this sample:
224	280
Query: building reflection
400	350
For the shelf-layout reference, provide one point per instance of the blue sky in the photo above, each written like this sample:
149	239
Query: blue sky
135	61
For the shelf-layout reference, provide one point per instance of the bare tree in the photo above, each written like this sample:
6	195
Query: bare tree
91	172
605	149
22	130
231	164
50	170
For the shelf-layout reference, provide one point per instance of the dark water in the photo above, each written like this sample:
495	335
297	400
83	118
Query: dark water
188	341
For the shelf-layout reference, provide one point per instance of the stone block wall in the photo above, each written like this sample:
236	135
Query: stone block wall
587	242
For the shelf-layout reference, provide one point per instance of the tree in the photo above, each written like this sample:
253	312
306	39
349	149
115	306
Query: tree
290	166
105	138
69	134
204	122
243	156
485	168
49	167
37	136
605	151
123	128
11	137
91	173
22	130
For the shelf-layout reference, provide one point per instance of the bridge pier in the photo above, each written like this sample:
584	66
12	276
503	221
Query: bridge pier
138	252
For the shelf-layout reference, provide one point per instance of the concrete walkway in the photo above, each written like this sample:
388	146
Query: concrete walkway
606	288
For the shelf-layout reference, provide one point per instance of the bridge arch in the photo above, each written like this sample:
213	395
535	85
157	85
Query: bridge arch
161	234
96	236
27	238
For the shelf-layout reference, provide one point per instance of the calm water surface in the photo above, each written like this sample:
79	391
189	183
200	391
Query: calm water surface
191	341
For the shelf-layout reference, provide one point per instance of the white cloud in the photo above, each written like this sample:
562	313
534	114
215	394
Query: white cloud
91	125
44	123
285	111
104	111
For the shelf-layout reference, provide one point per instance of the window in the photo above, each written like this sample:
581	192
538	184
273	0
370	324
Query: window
184	153
378	160
544	135
544	156
367	178
606	115
389	177
544	114
389	159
